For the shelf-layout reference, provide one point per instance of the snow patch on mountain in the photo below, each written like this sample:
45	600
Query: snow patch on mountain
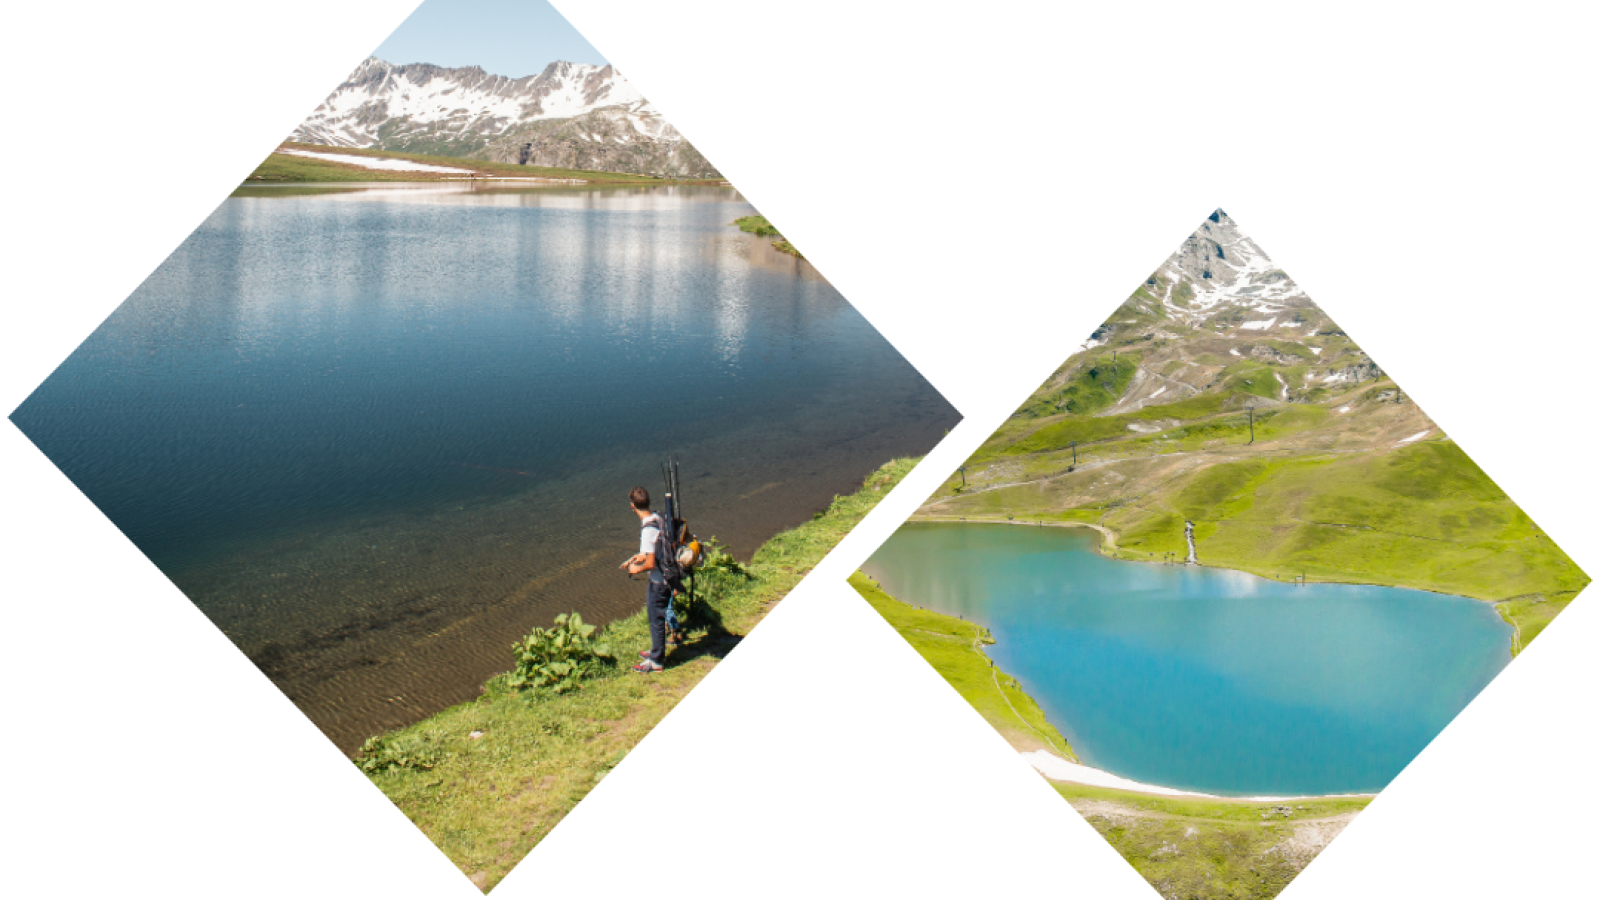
461	102
371	162
570	115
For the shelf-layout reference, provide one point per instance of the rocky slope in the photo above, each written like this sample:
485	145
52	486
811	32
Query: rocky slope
569	115
1206	322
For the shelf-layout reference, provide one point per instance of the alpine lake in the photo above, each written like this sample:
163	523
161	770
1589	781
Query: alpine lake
1206	679
377	433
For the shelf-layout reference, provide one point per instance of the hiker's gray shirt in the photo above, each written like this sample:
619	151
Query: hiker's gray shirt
648	533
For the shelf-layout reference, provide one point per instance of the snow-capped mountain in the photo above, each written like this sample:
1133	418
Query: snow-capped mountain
1222	266
571	114
1218	304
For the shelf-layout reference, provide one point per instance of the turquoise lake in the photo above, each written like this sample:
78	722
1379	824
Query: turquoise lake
376	434
1206	679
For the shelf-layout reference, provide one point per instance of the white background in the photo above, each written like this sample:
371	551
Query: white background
984	184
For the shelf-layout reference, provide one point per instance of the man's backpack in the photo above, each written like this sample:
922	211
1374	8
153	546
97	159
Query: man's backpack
677	552
668	543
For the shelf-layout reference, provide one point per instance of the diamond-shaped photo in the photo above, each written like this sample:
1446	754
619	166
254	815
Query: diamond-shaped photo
485	418
1219	579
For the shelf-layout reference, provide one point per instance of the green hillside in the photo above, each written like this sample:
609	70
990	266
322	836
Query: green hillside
1292	454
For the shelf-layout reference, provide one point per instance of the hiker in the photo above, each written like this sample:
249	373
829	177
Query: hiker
658	596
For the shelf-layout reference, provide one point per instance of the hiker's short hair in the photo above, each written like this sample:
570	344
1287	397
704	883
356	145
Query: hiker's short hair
640	498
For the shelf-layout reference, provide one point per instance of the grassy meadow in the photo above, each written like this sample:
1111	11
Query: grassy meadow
1339	481
486	780
1421	516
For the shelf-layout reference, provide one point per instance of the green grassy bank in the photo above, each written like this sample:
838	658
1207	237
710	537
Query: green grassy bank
1191	847
954	648
759	226
284	168
1188	848
486	780
1420	516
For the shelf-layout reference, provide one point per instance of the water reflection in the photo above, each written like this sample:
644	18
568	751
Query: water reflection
401	416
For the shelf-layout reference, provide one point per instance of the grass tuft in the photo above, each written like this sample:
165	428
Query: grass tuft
759	226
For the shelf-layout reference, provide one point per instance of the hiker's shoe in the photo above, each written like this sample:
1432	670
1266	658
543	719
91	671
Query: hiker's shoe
647	666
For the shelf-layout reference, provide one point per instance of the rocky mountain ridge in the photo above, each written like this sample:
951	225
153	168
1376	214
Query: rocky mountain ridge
571	115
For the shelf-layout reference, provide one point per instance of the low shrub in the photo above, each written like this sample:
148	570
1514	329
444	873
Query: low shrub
380	754
559	657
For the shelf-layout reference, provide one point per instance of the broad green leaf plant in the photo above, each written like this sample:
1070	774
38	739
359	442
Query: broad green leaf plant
559	657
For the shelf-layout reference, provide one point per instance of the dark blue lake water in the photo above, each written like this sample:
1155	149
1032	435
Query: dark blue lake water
1206	679
377	435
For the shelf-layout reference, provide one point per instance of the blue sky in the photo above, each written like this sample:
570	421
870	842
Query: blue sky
506	37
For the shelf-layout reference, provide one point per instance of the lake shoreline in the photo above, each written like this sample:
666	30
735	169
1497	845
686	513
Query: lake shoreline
504	768
1056	768
1109	539
427	664
297	162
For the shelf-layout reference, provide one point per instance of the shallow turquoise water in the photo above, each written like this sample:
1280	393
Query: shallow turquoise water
1206	679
